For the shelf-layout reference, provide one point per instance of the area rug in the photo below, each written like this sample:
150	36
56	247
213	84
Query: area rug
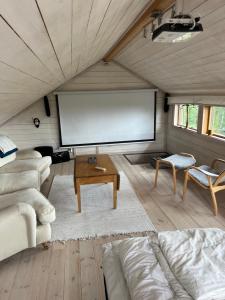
97	218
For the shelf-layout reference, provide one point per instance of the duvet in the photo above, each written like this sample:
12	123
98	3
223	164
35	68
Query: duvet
188	264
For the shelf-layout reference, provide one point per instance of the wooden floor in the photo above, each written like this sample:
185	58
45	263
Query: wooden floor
73	270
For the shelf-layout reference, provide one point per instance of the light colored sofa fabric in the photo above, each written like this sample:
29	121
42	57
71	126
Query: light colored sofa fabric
19	229
38	164
12	182
41	164
43	208
23	160
27	154
7	159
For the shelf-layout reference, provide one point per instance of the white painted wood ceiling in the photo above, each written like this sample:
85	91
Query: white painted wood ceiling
44	43
194	67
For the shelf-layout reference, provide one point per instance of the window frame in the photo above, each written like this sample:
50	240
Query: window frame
207	117
176	117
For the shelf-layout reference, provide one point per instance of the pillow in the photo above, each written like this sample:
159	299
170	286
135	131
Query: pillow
7	146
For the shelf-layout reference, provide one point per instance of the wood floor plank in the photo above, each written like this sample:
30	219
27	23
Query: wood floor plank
22	284
72	283
89	283
40	276
8	271
56	272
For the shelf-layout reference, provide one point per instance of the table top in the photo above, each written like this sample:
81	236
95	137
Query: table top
84	169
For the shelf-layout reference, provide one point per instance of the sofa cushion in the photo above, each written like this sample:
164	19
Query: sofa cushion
27	154
12	182
43	208
39	164
7	159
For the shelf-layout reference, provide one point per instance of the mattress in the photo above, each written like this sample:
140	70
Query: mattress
184	265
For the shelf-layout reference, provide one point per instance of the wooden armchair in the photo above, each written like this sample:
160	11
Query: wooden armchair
176	162
208	178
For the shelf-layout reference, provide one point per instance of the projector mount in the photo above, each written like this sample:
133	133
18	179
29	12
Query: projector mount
175	28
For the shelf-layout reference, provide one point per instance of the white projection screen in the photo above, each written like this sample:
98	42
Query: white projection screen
97	117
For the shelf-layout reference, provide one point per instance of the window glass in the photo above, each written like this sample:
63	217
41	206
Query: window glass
193	116
217	120
187	116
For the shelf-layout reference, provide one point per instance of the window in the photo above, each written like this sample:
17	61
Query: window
216	121
186	116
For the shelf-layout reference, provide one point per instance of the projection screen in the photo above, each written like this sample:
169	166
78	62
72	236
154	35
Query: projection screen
97	117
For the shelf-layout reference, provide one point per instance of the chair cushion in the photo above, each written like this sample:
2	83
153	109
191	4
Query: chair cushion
180	161
202	178
39	164
43	208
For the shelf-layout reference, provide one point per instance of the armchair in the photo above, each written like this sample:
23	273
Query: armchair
25	214
208	177
19	229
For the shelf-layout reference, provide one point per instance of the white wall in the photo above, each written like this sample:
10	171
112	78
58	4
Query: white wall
99	77
204	148
23	132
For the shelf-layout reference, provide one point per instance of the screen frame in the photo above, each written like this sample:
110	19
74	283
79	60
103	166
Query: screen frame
104	143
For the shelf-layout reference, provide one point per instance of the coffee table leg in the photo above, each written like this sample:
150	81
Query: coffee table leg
78	196
115	192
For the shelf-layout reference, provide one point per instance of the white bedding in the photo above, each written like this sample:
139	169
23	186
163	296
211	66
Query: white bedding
185	265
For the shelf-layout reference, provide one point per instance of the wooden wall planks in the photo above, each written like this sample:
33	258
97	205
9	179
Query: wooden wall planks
23	132
99	77
105	77
204	148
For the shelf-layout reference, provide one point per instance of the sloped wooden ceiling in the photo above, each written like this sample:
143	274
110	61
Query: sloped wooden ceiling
44	43
196	66
103	76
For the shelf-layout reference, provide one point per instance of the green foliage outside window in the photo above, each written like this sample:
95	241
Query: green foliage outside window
217	120
193	116
188	116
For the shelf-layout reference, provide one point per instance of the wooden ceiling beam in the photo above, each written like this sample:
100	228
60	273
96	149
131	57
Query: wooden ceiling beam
145	19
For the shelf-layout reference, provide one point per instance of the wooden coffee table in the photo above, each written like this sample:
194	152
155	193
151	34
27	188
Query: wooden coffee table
85	173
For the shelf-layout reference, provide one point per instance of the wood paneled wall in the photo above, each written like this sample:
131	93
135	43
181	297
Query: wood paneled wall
99	77
204	148
103	76
23	132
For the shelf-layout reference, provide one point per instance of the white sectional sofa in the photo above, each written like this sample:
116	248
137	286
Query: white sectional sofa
25	214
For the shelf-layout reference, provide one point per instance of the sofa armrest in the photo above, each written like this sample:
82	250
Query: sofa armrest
27	154
12	182
17	229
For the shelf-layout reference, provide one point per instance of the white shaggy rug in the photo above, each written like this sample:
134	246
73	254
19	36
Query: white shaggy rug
97	218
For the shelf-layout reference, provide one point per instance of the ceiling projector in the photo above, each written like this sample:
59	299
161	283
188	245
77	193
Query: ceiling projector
177	29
